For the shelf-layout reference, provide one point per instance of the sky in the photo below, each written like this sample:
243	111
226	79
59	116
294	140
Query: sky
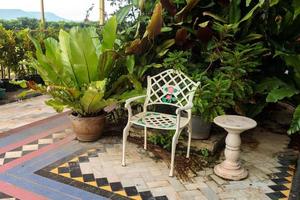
69	9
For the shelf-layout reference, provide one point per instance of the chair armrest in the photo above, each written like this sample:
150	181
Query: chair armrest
128	101
186	107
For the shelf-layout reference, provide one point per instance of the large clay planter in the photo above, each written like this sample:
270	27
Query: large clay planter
87	129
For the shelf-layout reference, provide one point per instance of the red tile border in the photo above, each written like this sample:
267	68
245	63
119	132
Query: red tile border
33	138
34	154
19	193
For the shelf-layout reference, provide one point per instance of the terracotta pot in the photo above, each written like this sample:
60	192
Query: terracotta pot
88	129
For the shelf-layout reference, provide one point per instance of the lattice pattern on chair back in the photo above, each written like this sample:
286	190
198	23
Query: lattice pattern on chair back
170	87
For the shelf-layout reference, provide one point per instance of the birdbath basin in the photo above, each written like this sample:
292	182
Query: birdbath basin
231	168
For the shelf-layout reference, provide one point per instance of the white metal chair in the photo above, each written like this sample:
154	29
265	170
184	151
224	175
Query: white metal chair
172	88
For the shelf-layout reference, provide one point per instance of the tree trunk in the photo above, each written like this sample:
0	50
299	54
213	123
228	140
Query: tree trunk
101	12
42	14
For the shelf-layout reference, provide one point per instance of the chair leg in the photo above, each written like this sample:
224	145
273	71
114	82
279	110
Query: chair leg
174	143
125	135
145	138
189	140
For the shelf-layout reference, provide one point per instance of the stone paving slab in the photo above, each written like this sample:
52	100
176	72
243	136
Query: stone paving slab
58	171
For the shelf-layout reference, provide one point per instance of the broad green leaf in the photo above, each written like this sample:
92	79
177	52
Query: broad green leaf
166	29
273	2
130	62
83	54
186	9
109	33
248	2
106	63
280	93
268	84
204	24
234	11
295	124
164	47
216	17
56	105
122	13
21	83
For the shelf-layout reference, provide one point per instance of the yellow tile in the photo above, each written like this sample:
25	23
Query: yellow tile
107	188
289	178
288	185
74	160
55	171
64	165
78	179
284	198
138	197
123	193
285	192
93	183
291	172
66	175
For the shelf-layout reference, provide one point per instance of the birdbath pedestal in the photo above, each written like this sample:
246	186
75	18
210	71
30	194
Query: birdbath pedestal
231	168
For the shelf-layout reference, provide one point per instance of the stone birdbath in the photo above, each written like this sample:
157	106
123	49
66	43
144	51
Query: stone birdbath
231	168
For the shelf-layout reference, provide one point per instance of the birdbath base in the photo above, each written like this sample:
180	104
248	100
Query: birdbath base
234	125
229	173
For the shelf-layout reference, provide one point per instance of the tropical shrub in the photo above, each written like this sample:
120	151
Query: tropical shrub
77	69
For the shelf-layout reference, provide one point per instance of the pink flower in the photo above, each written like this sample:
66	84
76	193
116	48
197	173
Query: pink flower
168	97
170	90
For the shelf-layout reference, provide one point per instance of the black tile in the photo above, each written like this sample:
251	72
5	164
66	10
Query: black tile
101	182
88	177
83	159
131	191
147	195
7	160
161	198
42	145
74	173
2	155
63	170
275	195
92	154
3	196
116	186
26	152
283	168
278	187
18	149
281	174
280	181
73	165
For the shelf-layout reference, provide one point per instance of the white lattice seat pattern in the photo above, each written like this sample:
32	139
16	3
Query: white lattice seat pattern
158	120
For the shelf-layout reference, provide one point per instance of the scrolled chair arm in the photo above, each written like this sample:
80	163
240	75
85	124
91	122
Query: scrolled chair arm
186	107
130	100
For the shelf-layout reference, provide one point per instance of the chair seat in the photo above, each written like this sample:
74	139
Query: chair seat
158	120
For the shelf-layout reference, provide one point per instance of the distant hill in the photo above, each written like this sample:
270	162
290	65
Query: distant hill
8	14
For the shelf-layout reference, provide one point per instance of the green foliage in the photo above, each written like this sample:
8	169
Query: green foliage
162	140
177	60
75	70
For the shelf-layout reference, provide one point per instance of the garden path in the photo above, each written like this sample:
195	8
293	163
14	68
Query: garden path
42	160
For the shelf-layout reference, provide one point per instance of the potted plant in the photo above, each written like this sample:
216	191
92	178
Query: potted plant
76	70
211	100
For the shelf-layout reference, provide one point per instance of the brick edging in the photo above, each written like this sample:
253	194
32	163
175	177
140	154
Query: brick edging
295	191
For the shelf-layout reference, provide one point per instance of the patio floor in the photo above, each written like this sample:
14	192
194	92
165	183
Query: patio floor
41	159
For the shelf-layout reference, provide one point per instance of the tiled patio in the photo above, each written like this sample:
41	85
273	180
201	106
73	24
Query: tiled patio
43	160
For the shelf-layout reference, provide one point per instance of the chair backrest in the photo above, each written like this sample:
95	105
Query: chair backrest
170	87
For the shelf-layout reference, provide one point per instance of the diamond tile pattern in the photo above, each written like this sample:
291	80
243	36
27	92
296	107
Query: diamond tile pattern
73	170
30	147
283	178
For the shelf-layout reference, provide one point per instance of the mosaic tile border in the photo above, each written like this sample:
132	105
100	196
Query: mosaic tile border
295	190
66	171
284	178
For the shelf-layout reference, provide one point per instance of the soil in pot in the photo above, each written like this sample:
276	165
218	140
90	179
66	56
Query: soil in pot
87	129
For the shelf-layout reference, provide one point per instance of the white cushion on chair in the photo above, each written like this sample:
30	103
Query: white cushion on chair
158	120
